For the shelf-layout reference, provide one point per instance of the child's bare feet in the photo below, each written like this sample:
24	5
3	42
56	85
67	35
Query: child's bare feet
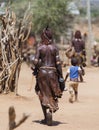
71	100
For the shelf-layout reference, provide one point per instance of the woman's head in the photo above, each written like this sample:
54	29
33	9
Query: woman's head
78	35
46	34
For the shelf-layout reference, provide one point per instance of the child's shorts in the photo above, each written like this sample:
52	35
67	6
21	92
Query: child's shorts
73	86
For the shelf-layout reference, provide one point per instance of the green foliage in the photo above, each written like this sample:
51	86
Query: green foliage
82	12
19	7
95	13
46	12
53	13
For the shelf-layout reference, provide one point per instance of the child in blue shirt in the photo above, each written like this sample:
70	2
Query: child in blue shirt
73	72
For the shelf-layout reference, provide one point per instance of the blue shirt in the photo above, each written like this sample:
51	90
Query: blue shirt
74	72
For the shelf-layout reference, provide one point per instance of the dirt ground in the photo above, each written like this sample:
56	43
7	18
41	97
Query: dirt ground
81	115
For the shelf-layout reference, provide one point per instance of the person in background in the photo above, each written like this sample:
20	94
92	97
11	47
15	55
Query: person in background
79	46
94	60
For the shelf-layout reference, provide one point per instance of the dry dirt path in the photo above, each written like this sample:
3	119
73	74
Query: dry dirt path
83	115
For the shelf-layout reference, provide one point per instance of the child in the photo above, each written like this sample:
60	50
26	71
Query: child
73	72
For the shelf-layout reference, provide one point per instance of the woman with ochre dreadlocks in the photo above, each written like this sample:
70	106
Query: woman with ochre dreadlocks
49	72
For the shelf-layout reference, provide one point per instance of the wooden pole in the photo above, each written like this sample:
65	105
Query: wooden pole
90	40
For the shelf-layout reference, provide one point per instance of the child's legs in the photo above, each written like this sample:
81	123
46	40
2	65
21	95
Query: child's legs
75	87
71	91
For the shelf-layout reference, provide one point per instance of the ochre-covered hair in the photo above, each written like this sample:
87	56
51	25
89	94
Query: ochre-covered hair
46	34
78	34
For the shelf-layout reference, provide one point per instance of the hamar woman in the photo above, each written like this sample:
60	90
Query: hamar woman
49	75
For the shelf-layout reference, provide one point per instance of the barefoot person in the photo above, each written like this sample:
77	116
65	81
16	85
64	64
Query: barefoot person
48	74
79	46
77	49
73	72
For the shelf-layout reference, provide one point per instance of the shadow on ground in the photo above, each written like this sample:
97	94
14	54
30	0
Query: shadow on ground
55	123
